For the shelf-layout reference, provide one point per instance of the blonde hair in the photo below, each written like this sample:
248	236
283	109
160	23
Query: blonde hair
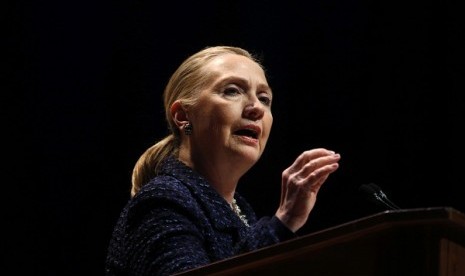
184	85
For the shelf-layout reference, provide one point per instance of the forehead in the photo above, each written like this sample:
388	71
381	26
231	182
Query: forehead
238	65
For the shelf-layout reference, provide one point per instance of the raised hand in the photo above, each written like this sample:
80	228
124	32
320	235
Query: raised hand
300	185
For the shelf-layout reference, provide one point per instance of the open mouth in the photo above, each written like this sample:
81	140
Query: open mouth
247	132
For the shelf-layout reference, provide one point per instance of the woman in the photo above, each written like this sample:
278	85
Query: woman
184	210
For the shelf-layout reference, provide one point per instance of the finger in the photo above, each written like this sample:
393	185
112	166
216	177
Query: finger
315	179
307	156
319	162
315	188
310	172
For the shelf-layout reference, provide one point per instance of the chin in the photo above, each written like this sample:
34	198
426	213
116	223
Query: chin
250	156
246	153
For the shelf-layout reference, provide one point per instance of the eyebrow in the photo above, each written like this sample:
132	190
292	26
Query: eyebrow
243	81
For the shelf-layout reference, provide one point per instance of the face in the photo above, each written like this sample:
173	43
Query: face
232	118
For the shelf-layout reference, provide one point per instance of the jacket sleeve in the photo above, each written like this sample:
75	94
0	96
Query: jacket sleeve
265	232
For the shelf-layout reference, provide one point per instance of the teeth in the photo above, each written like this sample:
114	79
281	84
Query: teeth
247	132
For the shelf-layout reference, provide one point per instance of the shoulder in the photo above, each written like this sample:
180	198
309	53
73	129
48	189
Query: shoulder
163	190
164	185
162	196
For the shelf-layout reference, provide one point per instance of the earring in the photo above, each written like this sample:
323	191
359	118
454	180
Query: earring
188	129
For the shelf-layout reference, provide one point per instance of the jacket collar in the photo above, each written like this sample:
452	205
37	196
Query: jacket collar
214	205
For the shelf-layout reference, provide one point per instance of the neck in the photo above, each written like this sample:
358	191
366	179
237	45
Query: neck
221	177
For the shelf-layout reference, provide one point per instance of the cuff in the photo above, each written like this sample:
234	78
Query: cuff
281	230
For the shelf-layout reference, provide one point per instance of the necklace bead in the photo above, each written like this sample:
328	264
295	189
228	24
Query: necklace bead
238	212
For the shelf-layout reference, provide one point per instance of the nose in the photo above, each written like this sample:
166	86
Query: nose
254	110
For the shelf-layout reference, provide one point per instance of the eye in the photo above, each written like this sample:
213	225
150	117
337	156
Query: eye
265	99
231	91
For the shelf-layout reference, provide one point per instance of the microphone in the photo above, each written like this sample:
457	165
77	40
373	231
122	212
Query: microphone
374	193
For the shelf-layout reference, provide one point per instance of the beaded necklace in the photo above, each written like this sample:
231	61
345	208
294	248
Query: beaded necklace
238	212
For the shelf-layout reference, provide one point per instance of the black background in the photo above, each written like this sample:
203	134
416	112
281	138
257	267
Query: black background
381	83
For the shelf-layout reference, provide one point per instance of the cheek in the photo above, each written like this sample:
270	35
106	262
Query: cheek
226	114
218	118
267	123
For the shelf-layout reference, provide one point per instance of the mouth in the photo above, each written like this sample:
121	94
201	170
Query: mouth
250	131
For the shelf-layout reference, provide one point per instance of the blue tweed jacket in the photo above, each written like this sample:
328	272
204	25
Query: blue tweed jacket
178	222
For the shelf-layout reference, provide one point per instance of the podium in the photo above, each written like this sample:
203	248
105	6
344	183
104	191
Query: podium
423	242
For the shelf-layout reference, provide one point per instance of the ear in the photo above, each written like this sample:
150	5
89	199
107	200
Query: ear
179	114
